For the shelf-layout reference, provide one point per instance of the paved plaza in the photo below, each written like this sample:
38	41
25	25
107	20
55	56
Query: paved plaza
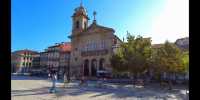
33	88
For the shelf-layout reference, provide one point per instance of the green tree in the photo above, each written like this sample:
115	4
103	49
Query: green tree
118	63
168	58
133	56
185	59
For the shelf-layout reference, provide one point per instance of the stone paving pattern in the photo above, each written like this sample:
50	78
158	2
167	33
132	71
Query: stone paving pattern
33	88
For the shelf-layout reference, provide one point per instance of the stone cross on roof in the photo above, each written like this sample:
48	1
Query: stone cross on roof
94	14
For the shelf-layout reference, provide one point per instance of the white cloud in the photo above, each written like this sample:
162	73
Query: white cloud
172	23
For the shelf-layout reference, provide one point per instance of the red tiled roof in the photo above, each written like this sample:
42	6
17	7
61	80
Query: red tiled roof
66	47
25	51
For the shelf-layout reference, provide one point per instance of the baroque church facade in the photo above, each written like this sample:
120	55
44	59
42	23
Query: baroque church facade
91	45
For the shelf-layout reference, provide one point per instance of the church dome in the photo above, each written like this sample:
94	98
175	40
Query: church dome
80	11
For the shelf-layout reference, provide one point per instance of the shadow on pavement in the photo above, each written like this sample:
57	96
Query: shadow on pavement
17	77
118	92
77	91
37	91
115	93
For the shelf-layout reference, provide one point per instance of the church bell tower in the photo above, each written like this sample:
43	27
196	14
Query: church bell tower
79	20
79	24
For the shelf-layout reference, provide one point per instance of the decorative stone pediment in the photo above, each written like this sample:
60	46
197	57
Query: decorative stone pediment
95	28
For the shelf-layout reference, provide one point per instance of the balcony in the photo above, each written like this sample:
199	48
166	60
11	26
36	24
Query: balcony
94	53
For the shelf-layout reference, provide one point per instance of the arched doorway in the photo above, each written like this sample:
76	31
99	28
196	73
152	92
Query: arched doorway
86	67
101	64
94	67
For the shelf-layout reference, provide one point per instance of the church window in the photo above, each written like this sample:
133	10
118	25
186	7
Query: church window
102	44
89	45
115	41
27	64
77	24
95	46
86	47
85	25
92	45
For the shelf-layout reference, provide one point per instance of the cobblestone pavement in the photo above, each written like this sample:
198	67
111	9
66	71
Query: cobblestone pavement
32	88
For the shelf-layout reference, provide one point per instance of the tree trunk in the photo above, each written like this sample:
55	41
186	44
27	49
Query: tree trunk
170	85
159	79
170	81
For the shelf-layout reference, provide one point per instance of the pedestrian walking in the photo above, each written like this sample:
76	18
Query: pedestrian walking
54	78
49	76
82	80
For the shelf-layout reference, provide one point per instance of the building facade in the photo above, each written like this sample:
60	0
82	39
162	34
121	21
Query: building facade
53	54
64	62
36	61
22	60
44	60
56	57
183	45
92	45
15	64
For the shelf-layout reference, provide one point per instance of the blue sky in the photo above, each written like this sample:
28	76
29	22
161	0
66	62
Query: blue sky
37	24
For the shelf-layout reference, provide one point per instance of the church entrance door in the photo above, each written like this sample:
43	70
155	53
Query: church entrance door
101	64
94	67
86	67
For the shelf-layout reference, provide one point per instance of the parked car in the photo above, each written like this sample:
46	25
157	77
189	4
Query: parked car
103	74
40	73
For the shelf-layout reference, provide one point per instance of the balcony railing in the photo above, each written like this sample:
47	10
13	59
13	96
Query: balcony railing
94	53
